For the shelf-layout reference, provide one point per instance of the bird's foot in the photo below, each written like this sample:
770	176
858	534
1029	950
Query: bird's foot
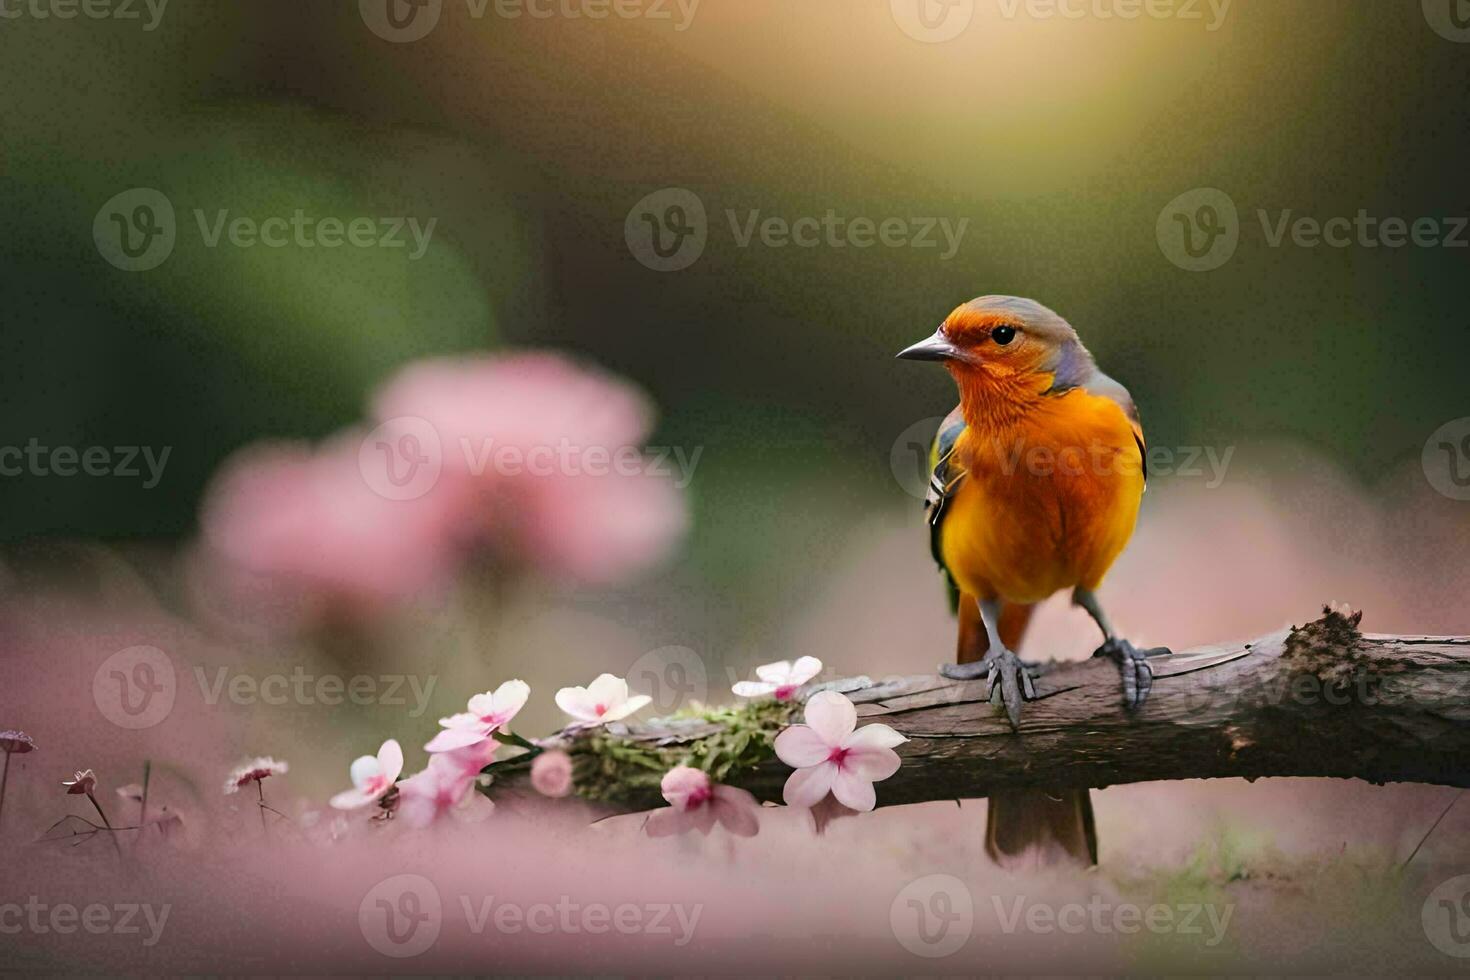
1005	674
1138	676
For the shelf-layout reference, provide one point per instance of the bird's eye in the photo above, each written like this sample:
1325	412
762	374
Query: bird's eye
1003	335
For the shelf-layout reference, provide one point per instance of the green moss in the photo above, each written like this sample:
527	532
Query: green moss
615	768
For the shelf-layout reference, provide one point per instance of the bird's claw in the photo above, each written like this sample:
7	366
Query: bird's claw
1004	673
1138	676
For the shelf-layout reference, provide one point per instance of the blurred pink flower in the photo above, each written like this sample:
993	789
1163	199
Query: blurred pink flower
605	699
781	679
828	755
309	516
697	803
372	777
551	773
488	713
520	401
554	449
433	792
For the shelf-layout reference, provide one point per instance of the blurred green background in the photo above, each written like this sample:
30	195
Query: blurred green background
529	140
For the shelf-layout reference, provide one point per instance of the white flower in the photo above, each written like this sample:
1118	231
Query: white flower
828	755
782	678
371	777
605	699
488	713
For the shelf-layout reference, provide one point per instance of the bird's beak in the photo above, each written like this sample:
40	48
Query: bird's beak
935	348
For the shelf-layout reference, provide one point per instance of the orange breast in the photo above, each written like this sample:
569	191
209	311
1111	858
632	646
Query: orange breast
1049	501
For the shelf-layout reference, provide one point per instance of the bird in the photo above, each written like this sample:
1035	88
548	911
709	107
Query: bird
1036	481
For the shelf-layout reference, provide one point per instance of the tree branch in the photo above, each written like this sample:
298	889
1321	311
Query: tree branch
1317	700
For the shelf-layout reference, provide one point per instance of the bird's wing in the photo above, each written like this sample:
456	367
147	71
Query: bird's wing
945	474
1104	386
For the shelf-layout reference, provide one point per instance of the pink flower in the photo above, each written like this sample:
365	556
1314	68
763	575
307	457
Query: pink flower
371	777
310	518
551	773
523	400
828	755
605	699
438	789
253	772
488	713
552	450
80	783
782	678
696	803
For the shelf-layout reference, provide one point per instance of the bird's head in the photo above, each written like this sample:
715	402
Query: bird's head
1005	343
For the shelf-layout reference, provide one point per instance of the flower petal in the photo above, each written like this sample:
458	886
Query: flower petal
874	736
390	760
352	799
576	702
512	696
609	690
854	791
737	819
364	767
776	673
806	787
871	764
832	715
631	706
456	738
667	822
800	746
753	689
804	670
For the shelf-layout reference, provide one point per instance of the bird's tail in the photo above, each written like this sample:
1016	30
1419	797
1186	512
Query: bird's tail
1028	826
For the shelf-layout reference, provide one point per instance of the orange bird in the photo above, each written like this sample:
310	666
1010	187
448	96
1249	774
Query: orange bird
1037	479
